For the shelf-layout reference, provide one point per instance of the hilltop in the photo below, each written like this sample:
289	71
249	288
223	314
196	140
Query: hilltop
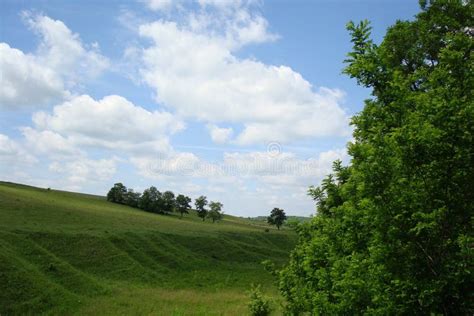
63	252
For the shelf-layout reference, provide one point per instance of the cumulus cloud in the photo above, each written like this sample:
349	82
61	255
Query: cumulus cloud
25	80
15	160
81	171
60	62
49	143
111	123
63	51
193	68
12	153
219	135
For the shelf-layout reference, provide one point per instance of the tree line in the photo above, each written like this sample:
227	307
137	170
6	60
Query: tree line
154	201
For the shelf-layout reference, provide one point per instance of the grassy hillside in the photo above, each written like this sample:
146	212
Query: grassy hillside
63	252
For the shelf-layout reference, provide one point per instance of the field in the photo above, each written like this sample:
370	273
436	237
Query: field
63	252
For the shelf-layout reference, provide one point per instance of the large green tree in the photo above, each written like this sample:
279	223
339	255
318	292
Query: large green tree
393	231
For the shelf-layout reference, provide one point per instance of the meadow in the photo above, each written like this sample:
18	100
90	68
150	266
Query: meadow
70	253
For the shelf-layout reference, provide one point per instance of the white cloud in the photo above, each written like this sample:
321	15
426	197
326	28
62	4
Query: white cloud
26	81
281	169
252	181
60	63
81	171
12	153
194	70
63	51
159	5
233	23
15	160
280	181
219	135
173	164
112	123
220	3
246	28
49	143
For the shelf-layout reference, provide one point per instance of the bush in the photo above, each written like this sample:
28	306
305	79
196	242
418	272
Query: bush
259	305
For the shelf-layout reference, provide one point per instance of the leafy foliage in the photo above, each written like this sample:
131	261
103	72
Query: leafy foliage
168	202
393	231
117	193
215	212
258	305
200	204
151	200
183	204
132	198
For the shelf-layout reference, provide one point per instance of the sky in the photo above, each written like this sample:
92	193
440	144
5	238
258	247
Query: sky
241	101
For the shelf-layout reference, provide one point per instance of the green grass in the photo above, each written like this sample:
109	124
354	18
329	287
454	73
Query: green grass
63	252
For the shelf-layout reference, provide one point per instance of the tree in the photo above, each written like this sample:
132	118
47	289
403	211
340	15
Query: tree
183	204
152	201
215	212
169	202
200	204
393	231
117	193
277	217
132	198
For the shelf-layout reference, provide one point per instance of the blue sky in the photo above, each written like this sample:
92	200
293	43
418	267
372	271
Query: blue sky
242	101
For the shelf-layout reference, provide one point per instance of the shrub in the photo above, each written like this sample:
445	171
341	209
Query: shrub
259	305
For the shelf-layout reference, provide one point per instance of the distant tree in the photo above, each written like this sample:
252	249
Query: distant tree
117	193
169	202
132	198
151	200
277	217
215	212
183	204
200	204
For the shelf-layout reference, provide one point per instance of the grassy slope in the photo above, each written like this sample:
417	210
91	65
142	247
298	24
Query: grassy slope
64	252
